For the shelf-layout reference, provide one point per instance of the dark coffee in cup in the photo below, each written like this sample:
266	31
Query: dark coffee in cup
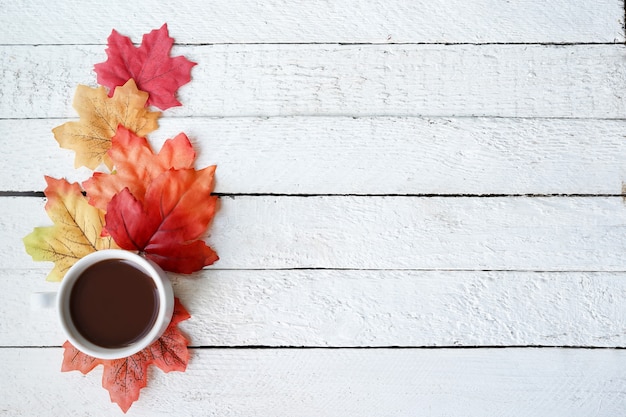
113	303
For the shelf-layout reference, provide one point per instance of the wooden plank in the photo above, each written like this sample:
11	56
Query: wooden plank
351	80
302	382
279	21
270	232
323	308
331	155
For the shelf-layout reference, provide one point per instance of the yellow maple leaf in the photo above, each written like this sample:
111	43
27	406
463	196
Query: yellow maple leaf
76	231
90	136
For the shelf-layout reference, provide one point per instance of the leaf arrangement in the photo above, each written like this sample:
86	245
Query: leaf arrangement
156	204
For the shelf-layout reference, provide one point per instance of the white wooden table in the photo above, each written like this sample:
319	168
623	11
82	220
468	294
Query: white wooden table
421	205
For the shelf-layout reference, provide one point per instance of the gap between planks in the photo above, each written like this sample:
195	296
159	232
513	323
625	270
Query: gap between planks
443	117
391	347
40	194
332	43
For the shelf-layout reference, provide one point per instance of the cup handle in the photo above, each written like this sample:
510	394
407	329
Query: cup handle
39	300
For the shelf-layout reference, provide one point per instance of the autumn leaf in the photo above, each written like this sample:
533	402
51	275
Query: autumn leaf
100	116
150	65
136	165
76	231
124	378
165	226
162	354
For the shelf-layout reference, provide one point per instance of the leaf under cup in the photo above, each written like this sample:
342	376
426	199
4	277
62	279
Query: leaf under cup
124	378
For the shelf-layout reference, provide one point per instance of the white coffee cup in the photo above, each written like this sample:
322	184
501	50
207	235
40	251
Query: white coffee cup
165	296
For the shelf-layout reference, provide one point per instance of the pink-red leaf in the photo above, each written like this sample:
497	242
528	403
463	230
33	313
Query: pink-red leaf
124	378
150	65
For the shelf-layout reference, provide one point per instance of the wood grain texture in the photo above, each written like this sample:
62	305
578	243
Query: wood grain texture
251	382
330	308
280	21
345	80
545	234
342	155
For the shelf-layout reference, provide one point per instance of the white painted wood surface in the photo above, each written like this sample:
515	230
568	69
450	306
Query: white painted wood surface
387	246
338	308
281	21
345	80
362	232
372	155
338	383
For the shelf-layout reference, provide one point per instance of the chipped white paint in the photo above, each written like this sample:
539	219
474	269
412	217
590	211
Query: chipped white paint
377	97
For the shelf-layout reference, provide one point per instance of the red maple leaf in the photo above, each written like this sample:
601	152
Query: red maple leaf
125	377
176	210
150	65
136	165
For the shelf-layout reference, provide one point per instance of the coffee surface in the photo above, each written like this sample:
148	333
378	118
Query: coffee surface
113	304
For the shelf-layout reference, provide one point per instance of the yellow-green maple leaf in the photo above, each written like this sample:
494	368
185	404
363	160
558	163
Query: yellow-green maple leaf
76	231
90	136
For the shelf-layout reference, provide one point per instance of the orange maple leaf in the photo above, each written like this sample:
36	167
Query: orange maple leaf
124	378
166	225
136	165
90	137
